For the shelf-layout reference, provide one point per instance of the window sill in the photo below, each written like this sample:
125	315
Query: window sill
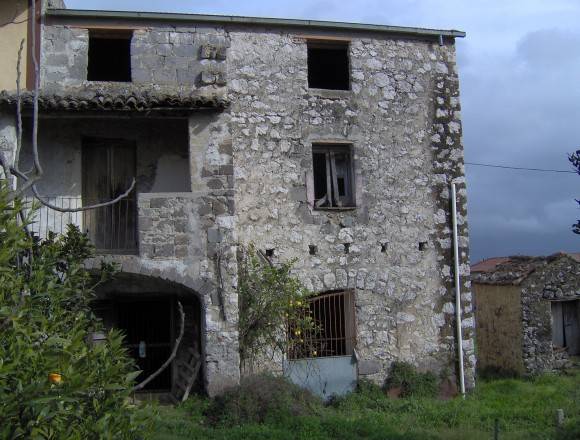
330	93
343	208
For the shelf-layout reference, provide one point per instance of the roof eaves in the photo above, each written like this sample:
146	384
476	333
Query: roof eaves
232	19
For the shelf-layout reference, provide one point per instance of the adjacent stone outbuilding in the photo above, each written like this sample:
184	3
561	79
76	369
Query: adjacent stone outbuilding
527	312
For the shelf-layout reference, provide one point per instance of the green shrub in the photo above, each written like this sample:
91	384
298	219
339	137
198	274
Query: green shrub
262	398
45	327
405	376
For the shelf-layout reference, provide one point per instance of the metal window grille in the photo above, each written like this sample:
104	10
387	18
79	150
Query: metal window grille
334	328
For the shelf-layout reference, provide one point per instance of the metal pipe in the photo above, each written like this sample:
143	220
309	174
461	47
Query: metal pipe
457	289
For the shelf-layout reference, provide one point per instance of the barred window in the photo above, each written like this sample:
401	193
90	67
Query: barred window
334	327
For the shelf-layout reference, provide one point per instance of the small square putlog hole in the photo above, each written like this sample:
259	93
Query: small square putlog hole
109	56
422	245
269	253
328	66
312	249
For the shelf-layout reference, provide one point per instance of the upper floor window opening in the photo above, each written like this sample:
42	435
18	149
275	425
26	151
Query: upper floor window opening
328	65
109	56
333	176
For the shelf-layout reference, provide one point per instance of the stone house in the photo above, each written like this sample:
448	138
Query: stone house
527	312
330	143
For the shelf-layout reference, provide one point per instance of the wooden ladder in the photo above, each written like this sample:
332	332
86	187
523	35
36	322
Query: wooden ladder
186	370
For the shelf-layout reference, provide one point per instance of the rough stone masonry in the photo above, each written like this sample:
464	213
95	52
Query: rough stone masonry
252	175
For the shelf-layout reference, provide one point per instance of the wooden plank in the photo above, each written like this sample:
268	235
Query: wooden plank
557	325
336	195
328	179
571	327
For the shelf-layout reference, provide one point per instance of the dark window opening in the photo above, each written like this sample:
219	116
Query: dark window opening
333	334
328	66
384	247
269	253
422	245
346	248
109	56
332	172
312	249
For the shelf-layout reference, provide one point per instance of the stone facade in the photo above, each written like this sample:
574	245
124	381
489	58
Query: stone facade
402	118
251	175
539	281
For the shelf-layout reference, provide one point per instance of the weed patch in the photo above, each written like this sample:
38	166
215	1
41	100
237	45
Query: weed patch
407	381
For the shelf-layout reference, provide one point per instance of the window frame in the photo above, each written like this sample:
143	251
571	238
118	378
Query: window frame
330	150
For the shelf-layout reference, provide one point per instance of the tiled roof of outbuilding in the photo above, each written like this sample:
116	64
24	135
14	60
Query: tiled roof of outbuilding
512	270
129	100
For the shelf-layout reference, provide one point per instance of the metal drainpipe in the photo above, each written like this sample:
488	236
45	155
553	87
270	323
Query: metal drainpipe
457	290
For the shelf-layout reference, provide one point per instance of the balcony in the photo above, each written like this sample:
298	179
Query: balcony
157	225
112	229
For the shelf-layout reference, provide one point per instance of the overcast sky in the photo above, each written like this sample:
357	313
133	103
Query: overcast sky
520	83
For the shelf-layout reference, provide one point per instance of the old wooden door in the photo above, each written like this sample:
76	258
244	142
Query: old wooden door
565	326
109	166
571	327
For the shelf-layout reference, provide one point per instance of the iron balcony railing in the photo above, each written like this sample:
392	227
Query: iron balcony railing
112	229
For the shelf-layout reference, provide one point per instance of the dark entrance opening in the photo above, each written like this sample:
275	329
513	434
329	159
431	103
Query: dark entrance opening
148	326
146	310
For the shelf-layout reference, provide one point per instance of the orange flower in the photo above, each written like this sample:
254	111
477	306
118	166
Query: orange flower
55	378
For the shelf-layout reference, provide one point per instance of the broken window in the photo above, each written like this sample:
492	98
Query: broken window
328	66
109	56
332	172
334	327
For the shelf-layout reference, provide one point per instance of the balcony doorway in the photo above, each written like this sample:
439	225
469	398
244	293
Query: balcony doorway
108	168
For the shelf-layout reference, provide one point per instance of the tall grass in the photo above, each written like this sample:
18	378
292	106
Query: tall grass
525	409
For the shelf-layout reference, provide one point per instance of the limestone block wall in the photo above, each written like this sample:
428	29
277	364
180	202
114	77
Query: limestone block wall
402	117
8	137
179	57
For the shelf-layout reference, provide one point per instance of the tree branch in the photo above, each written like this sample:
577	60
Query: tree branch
83	208
171	357
16	158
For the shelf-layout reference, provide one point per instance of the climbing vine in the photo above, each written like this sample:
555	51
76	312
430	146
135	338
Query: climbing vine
274	310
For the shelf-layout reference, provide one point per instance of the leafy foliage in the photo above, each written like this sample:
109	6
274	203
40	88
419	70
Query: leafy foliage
53	383
411	382
270	300
574	159
262	398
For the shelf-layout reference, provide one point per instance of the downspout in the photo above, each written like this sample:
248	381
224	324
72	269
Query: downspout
457	290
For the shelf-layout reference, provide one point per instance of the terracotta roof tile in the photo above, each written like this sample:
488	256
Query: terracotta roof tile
129	99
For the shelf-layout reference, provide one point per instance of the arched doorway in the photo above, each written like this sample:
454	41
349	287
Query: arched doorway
146	309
